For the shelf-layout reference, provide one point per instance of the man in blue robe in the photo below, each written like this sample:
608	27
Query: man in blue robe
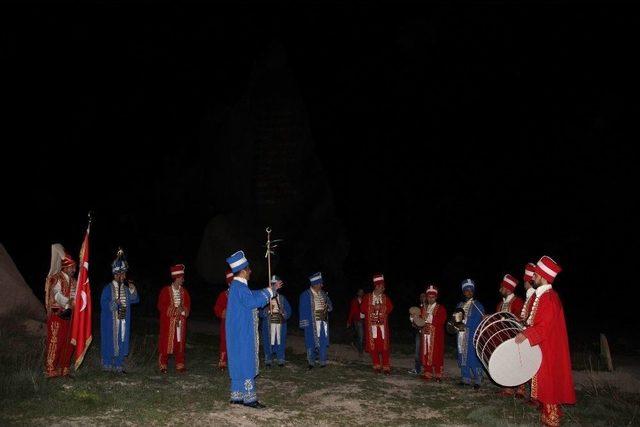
315	307
470	365
241	328
115	316
274	326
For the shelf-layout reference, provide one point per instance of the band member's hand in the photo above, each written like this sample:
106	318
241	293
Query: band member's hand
224	314
520	338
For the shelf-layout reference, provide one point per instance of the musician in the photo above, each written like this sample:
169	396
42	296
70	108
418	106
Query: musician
470	365
356	318
174	306
377	307
513	304
274	326
241	331
315	306
220	310
60	289
115	316
530	295
510	301
552	385
432	336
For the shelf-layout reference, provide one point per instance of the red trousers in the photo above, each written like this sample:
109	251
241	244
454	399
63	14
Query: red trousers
178	354
378	351
59	348
550	414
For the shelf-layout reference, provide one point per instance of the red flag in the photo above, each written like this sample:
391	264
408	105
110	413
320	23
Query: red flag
81	323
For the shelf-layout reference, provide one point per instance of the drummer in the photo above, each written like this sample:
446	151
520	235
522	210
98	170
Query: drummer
513	304
470	366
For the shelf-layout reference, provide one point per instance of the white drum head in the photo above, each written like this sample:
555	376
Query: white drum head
513	364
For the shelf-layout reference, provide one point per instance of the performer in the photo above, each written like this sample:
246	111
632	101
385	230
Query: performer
552	386
220	310
529	270
274	326
417	369
432	343
377	307
174	306
315	307
242	331
470	365
60	290
513	304
355	320
115	316
510	301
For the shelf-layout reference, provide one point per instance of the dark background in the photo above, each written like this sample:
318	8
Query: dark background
458	139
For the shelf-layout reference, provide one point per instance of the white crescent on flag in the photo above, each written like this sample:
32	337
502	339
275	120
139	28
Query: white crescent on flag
83	295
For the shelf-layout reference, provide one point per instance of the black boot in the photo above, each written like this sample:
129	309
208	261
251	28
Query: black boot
255	405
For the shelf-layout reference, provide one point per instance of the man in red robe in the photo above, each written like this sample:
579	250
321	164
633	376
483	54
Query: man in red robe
356	318
376	307
552	386
530	297
60	290
220	310
174	305
513	304
432	336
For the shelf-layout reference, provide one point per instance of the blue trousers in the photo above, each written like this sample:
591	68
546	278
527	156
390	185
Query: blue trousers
244	390
317	353
116	363
471	375
278	350
418	357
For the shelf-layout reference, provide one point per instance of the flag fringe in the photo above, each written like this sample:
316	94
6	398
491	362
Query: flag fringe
81	357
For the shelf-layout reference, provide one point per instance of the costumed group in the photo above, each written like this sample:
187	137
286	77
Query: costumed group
524	342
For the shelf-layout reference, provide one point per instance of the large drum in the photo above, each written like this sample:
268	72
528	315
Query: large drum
509	364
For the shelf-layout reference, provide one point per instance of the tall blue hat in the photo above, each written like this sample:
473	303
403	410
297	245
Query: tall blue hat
237	262
468	283
120	264
315	279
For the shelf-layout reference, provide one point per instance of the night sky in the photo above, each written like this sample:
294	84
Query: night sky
458	139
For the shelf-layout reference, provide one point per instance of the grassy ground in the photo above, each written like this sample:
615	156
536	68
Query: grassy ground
346	392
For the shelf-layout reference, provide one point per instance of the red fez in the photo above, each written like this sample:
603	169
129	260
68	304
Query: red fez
548	269
432	290
67	261
509	282
378	279
177	271
529	269
229	276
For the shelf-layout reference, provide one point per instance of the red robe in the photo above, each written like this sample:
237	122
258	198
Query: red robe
219	309
170	317
376	315
553	384
514	307
58	348
354	312
432	351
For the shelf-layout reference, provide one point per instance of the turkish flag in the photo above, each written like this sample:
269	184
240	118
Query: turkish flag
81	322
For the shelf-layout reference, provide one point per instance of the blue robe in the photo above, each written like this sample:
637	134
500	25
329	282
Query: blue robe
317	344
114	344
278	349
470	365
241	328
